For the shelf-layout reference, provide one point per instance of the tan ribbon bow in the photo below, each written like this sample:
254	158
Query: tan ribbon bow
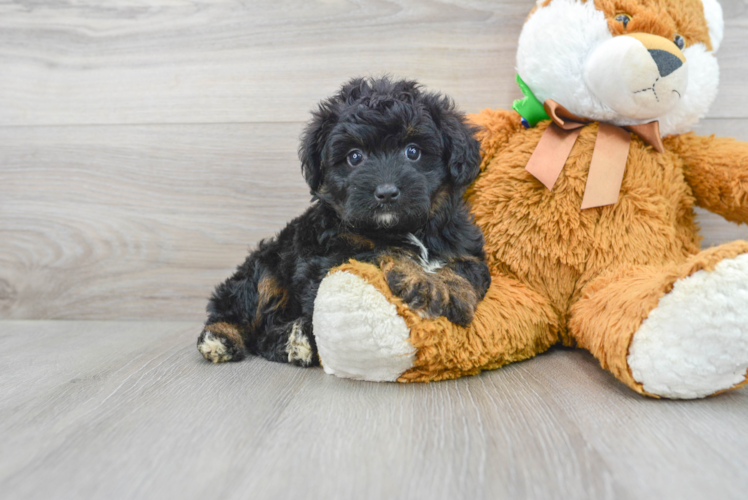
608	159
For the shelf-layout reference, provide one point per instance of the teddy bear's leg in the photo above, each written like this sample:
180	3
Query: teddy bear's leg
365	332
677	331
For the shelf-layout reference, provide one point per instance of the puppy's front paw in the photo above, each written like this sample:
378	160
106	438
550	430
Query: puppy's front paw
461	308
427	297
433	296
220	345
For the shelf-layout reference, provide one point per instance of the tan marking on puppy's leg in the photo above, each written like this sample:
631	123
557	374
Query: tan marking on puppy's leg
298	347
358	241
227	330
270	296
221	342
439	200
268	290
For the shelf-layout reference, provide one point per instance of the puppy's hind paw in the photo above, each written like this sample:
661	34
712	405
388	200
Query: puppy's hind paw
299	349
219	347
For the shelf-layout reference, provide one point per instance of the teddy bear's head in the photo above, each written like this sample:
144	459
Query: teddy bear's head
625	62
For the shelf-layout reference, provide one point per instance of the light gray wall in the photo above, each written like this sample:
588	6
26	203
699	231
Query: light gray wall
146	145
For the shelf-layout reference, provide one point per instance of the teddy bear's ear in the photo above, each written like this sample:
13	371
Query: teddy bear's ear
313	141
716	22
461	149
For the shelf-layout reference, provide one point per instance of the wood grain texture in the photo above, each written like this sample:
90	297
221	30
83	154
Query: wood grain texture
145	146
130	222
197	61
130	410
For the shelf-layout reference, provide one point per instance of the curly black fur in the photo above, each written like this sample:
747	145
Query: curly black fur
419	231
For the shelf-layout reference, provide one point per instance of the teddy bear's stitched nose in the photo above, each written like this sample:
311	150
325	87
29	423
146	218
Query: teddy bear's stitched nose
666	62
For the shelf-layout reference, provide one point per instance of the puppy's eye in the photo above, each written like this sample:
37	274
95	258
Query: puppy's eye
623	18
679	41
355	157
412	153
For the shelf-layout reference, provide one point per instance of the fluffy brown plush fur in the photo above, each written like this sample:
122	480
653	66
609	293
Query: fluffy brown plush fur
584	278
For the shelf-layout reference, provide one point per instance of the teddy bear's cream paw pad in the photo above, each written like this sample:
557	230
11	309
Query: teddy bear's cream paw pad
695	342
359	333
213	348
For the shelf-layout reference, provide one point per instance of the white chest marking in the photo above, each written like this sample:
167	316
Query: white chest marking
428	265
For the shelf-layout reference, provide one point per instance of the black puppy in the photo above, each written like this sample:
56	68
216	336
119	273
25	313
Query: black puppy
387	164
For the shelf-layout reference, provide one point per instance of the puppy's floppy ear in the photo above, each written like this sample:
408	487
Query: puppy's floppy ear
461	149
313	141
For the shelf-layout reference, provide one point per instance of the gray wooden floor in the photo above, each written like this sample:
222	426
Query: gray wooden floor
146	144
115	410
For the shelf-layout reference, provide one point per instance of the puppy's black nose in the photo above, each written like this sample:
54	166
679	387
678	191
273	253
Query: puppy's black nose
386	192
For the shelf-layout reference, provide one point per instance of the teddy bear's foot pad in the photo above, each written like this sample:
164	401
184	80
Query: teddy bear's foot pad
359	333
695	342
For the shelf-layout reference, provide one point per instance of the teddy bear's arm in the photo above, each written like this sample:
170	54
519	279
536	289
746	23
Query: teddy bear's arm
716	168
495	128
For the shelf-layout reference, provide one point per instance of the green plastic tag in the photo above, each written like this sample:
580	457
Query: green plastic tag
529	108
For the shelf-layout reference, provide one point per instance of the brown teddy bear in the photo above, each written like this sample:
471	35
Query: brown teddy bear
586	201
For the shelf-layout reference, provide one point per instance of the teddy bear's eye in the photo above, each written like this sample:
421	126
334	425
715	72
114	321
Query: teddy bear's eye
679	41
623	18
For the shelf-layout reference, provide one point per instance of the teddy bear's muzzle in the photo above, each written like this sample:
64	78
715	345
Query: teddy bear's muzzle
640	76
